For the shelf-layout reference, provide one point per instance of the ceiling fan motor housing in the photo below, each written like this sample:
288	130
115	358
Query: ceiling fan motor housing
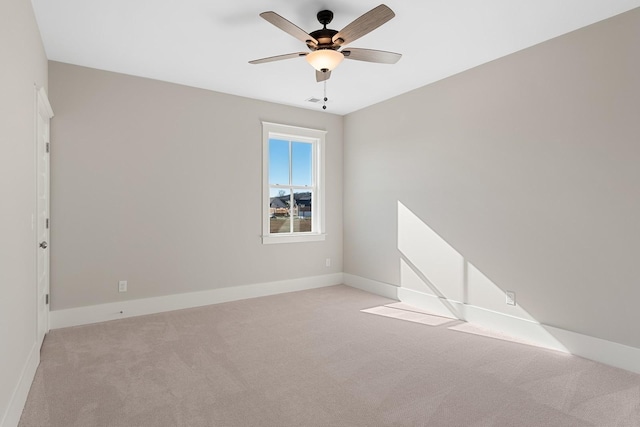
324	35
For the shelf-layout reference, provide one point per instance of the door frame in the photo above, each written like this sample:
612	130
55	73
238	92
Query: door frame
45	112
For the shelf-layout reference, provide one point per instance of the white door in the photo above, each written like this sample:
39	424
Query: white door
43	148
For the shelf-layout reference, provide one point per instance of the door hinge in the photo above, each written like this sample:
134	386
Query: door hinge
47	223
47	147
46	299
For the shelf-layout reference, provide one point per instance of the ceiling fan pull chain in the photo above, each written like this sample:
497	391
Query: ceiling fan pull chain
324	105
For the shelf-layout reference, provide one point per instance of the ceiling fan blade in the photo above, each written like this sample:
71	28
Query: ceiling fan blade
370	55
364	25
278	58
322	75
288	27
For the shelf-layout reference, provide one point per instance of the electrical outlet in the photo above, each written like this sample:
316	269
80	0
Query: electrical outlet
511	297
327	262
122	286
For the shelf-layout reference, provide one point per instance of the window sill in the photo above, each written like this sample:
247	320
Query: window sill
289	238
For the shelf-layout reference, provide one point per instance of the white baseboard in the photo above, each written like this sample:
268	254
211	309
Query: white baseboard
372	286
599	350
432	304
603	351
11	417
138	307
523	329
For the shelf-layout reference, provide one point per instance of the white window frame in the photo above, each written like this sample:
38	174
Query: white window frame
317	139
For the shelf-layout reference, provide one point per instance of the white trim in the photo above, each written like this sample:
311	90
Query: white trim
373	286
19	397
289	238
597	349
431	303
44	110
293	130
603	351
522	329
139	307
42	96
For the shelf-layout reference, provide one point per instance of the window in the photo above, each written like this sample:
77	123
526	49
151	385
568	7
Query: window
293	184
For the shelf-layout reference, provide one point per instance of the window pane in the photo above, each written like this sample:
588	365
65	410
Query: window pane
301	159
279	211
302	211
278	162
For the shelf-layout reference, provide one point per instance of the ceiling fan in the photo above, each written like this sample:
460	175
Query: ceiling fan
327	46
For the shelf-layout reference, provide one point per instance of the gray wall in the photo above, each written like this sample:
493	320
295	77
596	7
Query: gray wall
23	64
527	166
160	184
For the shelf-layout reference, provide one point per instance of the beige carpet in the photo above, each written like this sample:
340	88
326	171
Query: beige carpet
313	358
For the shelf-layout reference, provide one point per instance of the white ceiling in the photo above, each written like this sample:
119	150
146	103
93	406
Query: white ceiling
208	44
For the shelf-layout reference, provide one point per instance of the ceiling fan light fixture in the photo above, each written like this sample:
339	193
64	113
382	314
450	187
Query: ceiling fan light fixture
325	59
